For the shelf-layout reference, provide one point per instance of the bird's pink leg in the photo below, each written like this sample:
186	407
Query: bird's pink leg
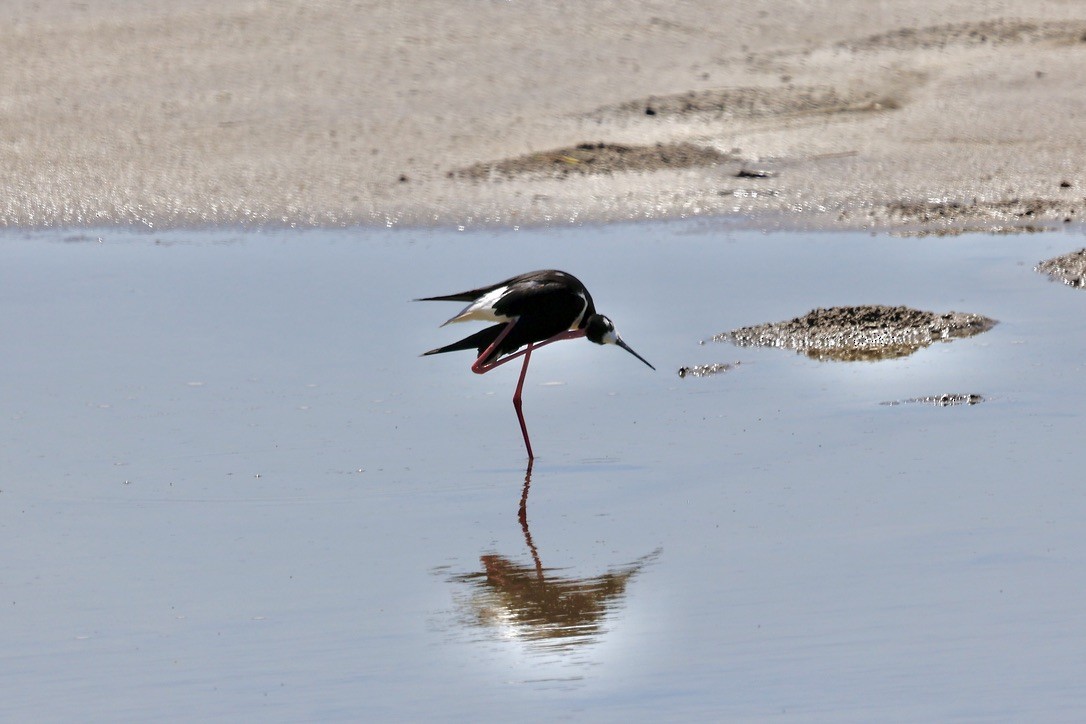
478	367
481	369
516	401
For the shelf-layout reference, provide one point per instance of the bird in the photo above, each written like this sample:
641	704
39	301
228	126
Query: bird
530	310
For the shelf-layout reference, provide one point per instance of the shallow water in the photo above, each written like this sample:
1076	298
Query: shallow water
232	489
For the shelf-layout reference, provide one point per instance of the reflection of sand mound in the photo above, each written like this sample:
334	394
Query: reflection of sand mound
865	333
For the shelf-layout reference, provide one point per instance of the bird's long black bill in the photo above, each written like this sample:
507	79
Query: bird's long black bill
629	349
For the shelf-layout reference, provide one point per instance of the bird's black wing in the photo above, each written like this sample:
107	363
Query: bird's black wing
472	294
521	287
524	330
461	297
478	341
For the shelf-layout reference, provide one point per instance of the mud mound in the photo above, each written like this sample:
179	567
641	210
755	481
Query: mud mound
595	158
1069	268
865	333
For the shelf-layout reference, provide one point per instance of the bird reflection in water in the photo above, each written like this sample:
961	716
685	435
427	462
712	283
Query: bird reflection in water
538	605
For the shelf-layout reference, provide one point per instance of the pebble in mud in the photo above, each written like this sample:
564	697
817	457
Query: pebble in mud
706	370
945	400
863	333
1069	268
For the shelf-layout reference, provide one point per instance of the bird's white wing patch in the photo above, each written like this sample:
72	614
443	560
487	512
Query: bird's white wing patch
482	309
580	317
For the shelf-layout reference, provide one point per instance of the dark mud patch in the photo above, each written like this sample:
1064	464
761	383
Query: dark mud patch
945	400
864	333
969	34
1008	216
749	103
716	368
595	158
1069	268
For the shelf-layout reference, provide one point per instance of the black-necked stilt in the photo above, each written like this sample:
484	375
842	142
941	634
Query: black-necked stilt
532	310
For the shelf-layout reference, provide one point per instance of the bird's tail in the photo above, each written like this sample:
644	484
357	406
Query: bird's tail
469	296
478	341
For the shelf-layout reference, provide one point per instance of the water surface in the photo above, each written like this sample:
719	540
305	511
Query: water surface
232	489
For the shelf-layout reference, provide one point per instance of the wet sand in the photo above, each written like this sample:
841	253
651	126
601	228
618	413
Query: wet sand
910	115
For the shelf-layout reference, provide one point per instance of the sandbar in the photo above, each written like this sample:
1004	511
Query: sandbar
907	116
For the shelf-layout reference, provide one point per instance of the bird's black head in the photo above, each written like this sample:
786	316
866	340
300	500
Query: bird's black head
601	330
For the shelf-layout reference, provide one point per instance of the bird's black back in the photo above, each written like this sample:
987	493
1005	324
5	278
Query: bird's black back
533	290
